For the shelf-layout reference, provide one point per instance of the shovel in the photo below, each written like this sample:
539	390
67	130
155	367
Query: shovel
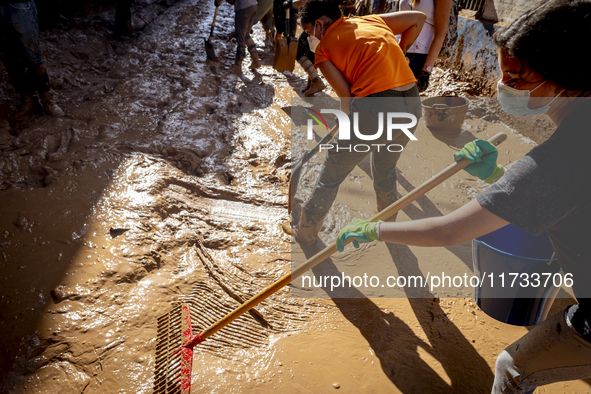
286	49
181	373
208	46
296	169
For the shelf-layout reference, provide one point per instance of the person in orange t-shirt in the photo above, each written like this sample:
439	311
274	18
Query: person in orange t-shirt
366	66
366	52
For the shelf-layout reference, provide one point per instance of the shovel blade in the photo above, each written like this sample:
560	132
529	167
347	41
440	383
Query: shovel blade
209	51
285	55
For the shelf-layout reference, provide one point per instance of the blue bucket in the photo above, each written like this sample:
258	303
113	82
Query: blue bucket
510	250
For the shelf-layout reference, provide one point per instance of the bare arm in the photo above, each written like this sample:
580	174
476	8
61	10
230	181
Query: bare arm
406	23
466	223
339	83
441	23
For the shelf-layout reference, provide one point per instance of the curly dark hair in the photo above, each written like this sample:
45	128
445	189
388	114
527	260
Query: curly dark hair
315	9
550	40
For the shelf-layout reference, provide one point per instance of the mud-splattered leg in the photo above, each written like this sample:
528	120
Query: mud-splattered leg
551	352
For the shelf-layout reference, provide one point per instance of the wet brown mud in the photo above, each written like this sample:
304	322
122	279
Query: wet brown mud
167	179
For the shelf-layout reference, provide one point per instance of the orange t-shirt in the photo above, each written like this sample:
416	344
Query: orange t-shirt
365	50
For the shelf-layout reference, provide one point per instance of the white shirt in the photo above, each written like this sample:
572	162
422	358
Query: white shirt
423	41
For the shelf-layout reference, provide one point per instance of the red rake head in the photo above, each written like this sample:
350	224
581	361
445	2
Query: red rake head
186	350
176	342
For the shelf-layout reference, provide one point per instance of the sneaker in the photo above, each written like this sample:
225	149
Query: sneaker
49	104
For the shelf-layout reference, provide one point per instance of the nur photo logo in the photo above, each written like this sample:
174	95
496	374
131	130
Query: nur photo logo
388	122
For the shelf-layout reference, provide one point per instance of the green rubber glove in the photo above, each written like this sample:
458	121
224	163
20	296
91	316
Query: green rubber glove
483	156
360	230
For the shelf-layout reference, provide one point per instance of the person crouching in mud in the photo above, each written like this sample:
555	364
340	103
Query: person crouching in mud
545	191
366	66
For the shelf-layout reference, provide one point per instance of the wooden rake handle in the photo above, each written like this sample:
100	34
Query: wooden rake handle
431	183
330	250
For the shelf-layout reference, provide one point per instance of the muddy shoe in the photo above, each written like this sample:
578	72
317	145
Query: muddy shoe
307	229
236	68
307	85
256	63
26	107
302	238
316	86
50	105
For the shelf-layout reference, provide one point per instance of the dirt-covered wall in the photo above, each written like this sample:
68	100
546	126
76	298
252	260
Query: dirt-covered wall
474	54
507	11
474	60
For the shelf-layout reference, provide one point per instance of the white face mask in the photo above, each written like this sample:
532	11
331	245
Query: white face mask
515	101
313	41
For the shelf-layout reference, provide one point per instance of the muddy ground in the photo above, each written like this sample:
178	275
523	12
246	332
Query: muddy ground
168	177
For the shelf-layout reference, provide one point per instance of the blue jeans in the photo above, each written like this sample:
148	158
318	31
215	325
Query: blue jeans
19	48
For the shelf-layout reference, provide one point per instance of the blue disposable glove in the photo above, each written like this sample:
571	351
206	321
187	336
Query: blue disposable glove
360	231
483	158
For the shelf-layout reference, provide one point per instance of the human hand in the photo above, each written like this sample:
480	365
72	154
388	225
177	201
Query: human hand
287	4
423	80
483	158
217	2
360	231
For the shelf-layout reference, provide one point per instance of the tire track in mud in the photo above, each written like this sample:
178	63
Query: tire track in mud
225	210
238	218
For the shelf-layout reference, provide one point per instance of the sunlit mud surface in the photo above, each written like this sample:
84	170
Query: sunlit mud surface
167	181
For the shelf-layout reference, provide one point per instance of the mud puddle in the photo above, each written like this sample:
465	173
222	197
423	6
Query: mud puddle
168	180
